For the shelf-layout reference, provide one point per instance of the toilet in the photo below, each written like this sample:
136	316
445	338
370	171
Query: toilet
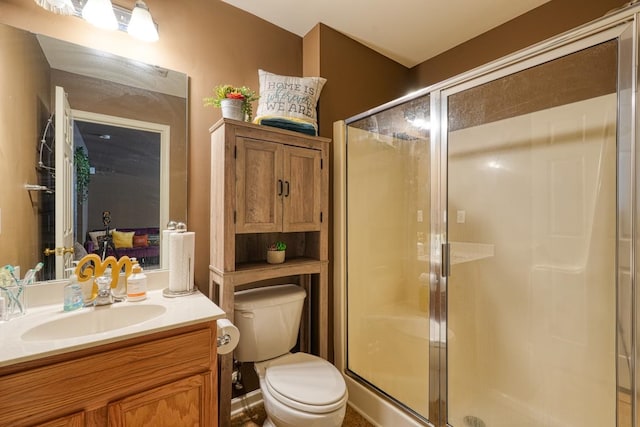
298	389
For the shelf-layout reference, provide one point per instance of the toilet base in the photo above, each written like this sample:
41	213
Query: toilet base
268	423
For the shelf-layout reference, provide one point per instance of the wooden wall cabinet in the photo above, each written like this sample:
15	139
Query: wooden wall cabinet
278	187
164	379
268	184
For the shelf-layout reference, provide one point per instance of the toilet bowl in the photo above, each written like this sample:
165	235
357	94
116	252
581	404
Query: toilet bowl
298	389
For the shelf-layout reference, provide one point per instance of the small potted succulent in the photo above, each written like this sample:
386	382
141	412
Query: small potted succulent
234	101
275	253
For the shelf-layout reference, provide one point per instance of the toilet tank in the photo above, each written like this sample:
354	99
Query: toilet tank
268	319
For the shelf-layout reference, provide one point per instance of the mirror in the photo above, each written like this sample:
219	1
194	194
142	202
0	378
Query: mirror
129	122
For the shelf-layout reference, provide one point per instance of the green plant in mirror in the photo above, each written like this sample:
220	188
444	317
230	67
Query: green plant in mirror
233	92
83	177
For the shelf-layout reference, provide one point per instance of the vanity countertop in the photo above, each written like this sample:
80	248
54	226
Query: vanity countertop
176	312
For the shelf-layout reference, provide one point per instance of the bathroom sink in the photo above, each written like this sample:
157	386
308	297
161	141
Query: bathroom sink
93	321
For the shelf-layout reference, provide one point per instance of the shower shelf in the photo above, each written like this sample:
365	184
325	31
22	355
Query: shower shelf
462	252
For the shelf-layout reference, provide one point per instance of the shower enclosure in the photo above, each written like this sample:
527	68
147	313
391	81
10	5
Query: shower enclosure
486	231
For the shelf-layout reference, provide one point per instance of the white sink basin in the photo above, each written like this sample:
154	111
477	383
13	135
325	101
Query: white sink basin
92	321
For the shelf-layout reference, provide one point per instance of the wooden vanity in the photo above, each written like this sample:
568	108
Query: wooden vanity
163	379
158	372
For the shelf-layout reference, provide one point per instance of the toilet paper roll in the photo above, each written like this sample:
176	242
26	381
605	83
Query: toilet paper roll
228	336
164	248
181	257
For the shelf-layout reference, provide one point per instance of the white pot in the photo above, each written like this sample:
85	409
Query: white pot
232	109
275	257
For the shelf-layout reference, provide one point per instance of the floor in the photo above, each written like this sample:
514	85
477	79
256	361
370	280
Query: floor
255	416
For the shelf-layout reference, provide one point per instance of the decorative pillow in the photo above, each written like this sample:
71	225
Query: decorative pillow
287	98
95	234
123	239
154	239
140	241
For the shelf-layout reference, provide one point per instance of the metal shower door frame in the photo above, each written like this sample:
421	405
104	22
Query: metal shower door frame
622	26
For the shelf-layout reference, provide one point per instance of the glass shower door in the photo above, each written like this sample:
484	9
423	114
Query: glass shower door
532	227
387	224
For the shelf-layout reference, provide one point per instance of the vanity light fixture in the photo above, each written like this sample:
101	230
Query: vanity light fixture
60	7
100	13
141	25
104	14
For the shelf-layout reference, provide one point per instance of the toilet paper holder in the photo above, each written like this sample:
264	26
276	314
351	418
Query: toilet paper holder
227	337
223	340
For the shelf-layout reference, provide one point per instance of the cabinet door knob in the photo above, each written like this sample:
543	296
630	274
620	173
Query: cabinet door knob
286	192
279	187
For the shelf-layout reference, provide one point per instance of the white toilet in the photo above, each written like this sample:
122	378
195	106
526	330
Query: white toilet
298	389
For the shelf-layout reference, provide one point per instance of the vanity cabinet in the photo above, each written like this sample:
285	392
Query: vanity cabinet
269	184
163	379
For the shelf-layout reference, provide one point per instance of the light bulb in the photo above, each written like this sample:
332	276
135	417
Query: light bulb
100	13
141	25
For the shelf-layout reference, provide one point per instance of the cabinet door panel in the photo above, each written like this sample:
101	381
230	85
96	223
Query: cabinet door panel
258	186
302	190
182	403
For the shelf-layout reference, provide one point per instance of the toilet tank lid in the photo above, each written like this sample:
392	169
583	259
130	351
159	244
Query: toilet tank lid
268	296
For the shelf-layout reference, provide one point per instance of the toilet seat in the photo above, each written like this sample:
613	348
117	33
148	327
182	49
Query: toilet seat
306	383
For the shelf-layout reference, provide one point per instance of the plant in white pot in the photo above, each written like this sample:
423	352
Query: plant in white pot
276	252
234	101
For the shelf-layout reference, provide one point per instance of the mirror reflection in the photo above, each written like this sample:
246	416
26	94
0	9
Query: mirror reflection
126	123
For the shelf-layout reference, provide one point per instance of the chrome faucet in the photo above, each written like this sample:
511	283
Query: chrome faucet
105	295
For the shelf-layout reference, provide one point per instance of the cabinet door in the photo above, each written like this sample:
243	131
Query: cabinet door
181	403
302	189
259	186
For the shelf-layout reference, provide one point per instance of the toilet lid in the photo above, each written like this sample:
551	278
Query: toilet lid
306	382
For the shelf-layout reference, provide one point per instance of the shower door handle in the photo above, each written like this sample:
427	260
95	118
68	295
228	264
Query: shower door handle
446	260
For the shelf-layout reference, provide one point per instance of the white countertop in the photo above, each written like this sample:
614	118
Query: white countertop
181	311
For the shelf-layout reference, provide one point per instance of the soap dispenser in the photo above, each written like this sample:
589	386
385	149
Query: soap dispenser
137	284
73	297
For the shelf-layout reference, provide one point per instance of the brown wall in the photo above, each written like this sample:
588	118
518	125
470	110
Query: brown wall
214	43
208	40
546	21
24	86
358	78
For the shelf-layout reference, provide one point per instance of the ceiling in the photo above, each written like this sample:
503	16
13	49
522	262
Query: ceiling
407	31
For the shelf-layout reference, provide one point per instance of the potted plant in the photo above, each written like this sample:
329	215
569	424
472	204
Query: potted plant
275	253
234	101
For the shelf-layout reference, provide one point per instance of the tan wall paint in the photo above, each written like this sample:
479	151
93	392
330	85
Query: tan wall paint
546	21
24	87
216	43
358	78
211	42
